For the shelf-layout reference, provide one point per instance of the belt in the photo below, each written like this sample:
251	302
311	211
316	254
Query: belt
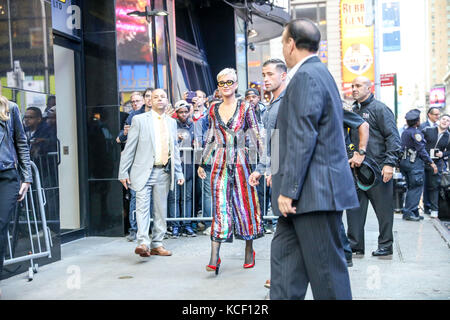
159	166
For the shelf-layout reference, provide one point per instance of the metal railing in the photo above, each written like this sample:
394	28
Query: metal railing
187	160
33	211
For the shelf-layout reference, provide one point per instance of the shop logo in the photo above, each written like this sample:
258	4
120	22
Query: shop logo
358	58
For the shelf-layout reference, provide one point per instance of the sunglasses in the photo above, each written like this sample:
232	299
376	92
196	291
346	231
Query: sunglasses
228	83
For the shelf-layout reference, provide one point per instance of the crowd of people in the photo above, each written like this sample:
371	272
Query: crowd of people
304	157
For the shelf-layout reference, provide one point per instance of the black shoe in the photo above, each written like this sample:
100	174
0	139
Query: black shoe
410	218
358	252
382	252
349	263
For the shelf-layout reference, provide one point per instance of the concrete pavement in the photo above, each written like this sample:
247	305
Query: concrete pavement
107	268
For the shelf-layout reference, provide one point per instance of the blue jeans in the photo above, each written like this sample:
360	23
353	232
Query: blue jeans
181	202
132	214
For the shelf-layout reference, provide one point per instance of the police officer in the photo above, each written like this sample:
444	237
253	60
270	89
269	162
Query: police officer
384	148
412	164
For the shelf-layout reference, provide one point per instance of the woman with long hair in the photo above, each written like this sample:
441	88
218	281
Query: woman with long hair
14	160
235	205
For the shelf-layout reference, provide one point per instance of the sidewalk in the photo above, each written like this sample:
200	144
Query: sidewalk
107	268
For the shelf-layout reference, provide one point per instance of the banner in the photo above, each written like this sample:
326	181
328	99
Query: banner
357	43
391	26
437	97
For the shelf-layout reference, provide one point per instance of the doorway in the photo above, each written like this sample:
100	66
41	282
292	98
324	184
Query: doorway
66	119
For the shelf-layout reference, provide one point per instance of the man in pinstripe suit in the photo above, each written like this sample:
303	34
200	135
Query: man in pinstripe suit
313	183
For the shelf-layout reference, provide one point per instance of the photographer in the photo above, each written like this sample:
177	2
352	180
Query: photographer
438	147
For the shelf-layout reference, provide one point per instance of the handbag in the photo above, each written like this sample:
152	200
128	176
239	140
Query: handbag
445	180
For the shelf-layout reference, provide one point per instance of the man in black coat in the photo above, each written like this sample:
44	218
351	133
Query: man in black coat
384	147
438	147
313	183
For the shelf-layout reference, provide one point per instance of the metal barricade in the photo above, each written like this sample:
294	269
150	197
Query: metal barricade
33	223
200	216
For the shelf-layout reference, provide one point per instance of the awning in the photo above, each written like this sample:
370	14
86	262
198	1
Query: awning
268	22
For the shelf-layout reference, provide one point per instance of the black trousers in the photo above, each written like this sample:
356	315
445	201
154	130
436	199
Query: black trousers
431	191
306	249
9	190
381	198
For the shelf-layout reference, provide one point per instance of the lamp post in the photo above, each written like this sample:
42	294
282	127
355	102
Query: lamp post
149	15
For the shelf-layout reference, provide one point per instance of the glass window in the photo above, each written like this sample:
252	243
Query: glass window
184	26
134	47
317	13
241	54
192	75
201	78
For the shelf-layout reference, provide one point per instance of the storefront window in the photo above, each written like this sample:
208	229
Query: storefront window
317	13
257	54
134	48
241	54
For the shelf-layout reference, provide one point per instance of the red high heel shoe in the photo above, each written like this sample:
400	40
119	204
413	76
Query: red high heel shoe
250	265
214	268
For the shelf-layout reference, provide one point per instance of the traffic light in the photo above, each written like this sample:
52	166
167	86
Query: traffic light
400	90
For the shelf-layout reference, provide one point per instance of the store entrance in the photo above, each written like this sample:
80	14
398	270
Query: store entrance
66	119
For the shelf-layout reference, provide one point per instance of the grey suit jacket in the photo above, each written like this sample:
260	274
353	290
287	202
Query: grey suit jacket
313	163
137	159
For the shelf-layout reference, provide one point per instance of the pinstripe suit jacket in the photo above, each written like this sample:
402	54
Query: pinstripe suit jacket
313	166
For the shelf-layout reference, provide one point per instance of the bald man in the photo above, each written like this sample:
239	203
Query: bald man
384	147
150	164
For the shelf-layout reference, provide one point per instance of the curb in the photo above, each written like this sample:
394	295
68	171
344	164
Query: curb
442	231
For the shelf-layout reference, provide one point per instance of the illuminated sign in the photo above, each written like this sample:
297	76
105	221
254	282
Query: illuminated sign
437	97
357	42
129	24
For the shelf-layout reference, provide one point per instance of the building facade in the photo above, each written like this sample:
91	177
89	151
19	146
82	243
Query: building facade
77	61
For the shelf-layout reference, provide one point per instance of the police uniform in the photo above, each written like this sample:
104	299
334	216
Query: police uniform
384	148
412	166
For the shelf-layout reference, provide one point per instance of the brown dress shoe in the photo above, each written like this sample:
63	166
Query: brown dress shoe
267	284
160	251
142	250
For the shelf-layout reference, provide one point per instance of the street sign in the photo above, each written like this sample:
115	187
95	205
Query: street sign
387	79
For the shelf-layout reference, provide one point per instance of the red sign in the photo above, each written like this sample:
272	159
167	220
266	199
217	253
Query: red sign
387	79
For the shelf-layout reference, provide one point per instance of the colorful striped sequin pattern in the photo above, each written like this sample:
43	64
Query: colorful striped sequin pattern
235	203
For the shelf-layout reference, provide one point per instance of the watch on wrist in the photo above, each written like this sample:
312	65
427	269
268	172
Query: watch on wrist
362	152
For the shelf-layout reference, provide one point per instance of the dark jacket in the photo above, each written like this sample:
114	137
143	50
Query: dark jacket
313	164
384	144
122	137
431	135
14	149
412	139
186	156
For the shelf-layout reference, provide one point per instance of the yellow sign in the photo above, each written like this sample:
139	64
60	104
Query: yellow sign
356	42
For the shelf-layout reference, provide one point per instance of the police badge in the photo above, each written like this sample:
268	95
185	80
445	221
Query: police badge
418	137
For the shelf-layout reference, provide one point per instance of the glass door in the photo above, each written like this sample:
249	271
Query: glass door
66	130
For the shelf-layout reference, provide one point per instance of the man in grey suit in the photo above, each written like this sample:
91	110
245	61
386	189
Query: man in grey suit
149	165
313	184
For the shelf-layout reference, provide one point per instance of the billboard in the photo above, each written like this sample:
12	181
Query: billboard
357	42
437	97
391	26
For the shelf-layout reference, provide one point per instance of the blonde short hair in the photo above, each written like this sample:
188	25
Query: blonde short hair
4	108
227	71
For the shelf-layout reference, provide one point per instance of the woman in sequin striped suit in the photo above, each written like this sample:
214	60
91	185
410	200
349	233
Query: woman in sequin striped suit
235	203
